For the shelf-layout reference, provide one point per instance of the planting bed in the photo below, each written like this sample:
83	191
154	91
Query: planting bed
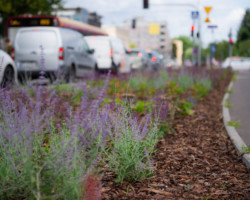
144	136
198	161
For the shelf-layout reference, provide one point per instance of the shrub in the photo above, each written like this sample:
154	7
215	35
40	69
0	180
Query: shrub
132	146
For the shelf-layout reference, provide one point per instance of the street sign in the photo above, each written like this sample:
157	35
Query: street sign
207	9
195	14
207	20
212	26
154	29
212	48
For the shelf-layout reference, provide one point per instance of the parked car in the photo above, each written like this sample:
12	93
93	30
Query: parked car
139	59
155	60
8	72
237	63
110	54
55	51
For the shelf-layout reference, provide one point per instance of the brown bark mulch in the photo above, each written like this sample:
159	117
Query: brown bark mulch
198	161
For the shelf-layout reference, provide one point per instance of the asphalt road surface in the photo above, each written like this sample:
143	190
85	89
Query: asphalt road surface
240	100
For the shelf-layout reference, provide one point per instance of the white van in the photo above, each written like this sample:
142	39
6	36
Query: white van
237	63
54	51
110	53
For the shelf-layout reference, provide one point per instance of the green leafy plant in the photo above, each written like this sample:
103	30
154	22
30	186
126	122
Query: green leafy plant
246	149
132	146
185	108
202	87
142	107
234	123
229	91
228	104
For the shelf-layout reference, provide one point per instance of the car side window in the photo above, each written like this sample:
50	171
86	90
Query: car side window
85	46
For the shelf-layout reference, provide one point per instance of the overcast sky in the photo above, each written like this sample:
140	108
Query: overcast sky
225	14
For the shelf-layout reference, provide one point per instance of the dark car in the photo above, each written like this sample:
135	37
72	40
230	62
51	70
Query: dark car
155	60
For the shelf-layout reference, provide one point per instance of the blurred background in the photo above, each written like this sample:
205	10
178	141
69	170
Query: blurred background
183	32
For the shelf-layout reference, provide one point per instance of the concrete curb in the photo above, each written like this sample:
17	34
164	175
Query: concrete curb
231	131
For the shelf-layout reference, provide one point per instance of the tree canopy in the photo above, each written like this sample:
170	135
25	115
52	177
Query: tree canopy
12	7
243	37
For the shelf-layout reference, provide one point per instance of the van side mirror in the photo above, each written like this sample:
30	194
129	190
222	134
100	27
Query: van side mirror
91	51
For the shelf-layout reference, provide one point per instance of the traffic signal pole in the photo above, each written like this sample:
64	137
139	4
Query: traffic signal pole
199	23
230	49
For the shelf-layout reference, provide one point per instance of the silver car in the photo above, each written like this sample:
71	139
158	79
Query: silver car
8	72
139	59
53	51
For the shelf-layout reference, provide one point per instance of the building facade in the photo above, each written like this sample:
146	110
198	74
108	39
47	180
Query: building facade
139	32
119	32
81	15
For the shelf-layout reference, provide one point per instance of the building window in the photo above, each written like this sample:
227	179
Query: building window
162	47
162	40
162	33
163	26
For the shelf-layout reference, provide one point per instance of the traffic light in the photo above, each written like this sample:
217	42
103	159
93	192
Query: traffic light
231	41
145	4
133	23
192	30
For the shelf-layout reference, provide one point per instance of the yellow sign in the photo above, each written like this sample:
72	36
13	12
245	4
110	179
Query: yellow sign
208	9
44	22
207	20
154	29
15	23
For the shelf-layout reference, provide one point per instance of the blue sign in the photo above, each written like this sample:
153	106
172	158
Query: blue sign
212	48
212	26
195	14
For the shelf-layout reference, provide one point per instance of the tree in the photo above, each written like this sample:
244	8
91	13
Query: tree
18	7
244	31
221	50
243	37
187	44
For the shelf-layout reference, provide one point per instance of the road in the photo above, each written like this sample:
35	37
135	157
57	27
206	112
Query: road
240	100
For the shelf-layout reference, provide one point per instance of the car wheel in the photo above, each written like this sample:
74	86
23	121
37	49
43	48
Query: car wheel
72	74
116	69
8	77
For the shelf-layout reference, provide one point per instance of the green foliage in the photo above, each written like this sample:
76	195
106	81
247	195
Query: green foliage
246	149
244	31
234	78
142	107
234	123
202	87
229	91
244	48
12	8
221	50
228	104
185	82
185	108
42	175
163	129
130	157
243	36
187	44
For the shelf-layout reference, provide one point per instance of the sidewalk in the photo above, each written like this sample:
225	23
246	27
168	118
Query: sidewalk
240	100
